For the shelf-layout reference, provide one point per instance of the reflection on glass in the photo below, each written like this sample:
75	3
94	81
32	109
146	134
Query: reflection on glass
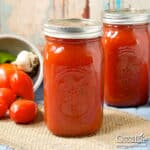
71	8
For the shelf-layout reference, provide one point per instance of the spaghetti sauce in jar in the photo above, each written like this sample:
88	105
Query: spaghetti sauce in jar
126	48
73	77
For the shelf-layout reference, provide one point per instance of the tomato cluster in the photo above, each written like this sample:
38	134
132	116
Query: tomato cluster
16	94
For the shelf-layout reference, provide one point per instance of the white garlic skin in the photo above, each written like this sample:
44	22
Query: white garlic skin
26	61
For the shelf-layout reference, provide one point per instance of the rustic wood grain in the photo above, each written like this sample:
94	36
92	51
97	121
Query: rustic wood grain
25	17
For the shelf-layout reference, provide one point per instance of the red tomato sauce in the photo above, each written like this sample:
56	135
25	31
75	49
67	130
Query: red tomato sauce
73	86
126	50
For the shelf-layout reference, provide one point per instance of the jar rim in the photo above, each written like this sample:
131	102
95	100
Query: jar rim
126	17
73	28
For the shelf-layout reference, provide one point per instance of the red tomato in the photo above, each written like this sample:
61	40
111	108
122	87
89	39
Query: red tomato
3	108
23	111
22	85
6	70
7	95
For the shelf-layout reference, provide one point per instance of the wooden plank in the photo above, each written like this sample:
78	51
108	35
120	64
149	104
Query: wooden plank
25	17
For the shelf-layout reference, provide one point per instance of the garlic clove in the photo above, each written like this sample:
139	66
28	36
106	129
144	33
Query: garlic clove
26	61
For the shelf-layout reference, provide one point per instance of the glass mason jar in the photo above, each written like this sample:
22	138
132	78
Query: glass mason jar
126	48
73	77
75	9
132	5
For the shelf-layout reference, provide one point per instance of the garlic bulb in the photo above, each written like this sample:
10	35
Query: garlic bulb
26	61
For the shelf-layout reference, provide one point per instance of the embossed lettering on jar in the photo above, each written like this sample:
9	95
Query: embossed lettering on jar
73	77
126	49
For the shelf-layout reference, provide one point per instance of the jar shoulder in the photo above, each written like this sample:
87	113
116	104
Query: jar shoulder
75	54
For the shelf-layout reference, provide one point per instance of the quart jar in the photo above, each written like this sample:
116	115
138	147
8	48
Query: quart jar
73	77
126	48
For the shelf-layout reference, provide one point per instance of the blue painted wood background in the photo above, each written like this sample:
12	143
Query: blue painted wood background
25	17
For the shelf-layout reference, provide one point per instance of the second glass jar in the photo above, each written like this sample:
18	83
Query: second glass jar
126	49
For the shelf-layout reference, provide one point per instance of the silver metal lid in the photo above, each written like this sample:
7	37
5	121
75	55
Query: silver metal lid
73	28
126	17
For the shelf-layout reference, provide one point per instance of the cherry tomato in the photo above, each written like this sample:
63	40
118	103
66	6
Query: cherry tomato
8	95
6	70
3	108
17	80
22	85
23	111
